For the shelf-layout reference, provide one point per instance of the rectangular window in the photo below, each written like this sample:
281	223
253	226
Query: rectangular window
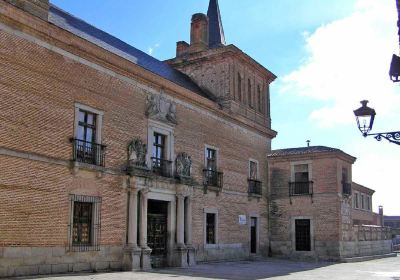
345	175
301	173
362	202
239	87
355	200
211	159
85	223
303	235
82	225
87	127
368	203
253	170
259	101
158	146
210	228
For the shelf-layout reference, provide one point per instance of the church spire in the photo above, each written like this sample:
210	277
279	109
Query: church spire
216	31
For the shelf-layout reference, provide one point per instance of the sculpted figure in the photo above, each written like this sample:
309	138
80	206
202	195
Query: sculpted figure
137	152
183	164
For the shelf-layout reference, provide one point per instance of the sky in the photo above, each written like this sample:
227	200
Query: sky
328	56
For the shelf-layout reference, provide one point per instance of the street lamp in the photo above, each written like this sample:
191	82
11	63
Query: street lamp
365	120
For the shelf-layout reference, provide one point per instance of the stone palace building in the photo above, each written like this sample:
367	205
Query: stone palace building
113	160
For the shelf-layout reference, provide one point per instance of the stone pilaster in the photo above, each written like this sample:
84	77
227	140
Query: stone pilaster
180	231
132	251
146	251
188	232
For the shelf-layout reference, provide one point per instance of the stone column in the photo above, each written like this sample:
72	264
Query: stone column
146	251
180	231
188	231
181	251
132	252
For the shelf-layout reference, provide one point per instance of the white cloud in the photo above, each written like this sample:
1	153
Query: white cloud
151	49
348	61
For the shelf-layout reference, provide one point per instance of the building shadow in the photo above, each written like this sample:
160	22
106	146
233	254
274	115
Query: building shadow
244	270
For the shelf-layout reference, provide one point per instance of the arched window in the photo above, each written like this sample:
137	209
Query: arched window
239	87
249	95
259	100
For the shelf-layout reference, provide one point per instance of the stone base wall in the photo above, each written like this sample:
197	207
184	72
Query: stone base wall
323	250
223	252
24	261
350	249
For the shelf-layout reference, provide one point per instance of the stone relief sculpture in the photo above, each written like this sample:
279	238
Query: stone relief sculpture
160	109
183	164
137	153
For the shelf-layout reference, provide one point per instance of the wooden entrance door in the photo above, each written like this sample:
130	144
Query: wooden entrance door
303	235
157	234
253	236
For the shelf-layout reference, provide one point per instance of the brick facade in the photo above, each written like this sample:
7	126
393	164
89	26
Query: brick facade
45	73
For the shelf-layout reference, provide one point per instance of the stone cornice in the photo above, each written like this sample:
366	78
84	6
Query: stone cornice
311	156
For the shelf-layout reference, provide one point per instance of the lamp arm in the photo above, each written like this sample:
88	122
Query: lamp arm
392	137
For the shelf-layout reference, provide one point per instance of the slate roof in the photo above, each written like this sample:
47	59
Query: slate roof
303	151
110	43
215	28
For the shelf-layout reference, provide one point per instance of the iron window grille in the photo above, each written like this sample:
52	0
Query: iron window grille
161	167
88	152
85	223
255	187
213	178
301	188
303	235
346	188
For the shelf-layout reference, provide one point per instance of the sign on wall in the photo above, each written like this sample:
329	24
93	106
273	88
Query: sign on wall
242	220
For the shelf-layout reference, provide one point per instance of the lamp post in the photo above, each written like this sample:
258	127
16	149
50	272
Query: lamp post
365	120
394	71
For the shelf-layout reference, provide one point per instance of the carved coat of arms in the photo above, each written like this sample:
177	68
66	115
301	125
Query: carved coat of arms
161	109
183	165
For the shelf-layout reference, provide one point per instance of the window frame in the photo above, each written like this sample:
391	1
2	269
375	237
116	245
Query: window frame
209	147
216	234
98	125
296	163
356	202
95	226
257	169
168	132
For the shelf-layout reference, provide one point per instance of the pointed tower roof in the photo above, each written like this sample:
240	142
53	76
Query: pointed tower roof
216	31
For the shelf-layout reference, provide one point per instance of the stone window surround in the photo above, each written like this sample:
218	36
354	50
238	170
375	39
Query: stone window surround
96	211
356	205
168	132
206	146
294	163
99	120
293	233
205	212
257	216
258	167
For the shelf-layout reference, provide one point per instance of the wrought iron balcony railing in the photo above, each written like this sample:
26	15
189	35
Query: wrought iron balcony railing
301	188
88	152
255	187
213	178
346	188
161	167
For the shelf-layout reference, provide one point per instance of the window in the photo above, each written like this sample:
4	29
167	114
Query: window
355	200
259	101
85	223
160	141
249	94
301	173
253	172
345	175
82	229
87	127
211	159
368	203
239	87
300	179
210	228
362	202
303	235
87	146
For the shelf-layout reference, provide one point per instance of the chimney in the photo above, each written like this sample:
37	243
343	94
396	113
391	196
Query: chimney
199	33
381	216
182	48
38	8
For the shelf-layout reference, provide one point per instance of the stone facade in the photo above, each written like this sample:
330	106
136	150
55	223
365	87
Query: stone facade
323	200
48	77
